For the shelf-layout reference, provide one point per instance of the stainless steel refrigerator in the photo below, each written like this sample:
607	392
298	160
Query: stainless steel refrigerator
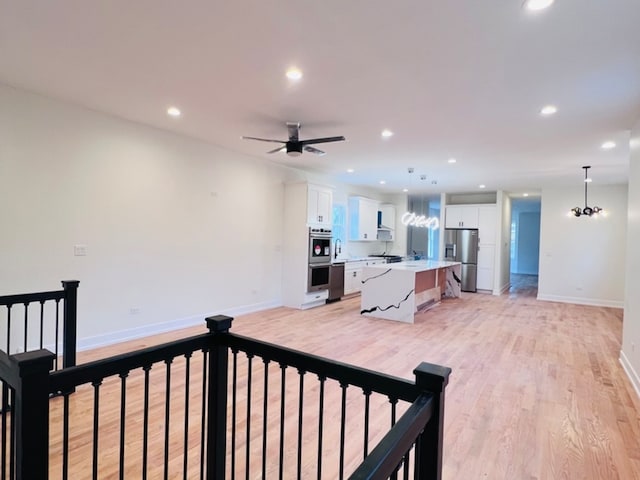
461	245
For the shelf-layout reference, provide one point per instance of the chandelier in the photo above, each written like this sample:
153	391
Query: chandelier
588	211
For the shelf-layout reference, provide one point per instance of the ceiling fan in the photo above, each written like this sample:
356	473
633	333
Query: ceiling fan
294	146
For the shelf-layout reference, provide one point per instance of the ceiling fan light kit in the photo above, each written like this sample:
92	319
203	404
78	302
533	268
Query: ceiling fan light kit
586	211
294	146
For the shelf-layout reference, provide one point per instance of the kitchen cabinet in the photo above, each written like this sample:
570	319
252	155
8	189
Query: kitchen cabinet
486	261
363	219
487	225
305	205
461	216
319	204
387	227
353	274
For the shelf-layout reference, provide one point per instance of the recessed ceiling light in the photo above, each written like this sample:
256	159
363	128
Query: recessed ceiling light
294	73
452	160
482	186
405	190
548	110
382	182
538	4
608	145
386	133
173	112
525	194
350	170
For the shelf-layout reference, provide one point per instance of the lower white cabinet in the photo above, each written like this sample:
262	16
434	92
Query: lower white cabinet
486	260
353	274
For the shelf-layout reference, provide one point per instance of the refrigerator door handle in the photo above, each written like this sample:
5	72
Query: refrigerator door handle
455	251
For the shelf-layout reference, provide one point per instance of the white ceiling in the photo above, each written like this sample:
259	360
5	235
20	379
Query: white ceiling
463	79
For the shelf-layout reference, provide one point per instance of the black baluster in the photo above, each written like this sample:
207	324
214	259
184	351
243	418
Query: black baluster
343	420
123	413
167	411
203	414
185	458
367	401
57	333
283	381
234	394
394	403
248	439
96	425
264	417
65	437
41	321
5	411
145	423
300	408
322	379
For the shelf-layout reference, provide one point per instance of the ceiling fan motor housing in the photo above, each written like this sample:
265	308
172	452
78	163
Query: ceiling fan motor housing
294	149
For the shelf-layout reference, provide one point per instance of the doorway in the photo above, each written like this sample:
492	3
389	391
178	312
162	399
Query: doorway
525	245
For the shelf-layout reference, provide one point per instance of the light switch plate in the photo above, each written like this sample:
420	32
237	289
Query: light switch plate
79	250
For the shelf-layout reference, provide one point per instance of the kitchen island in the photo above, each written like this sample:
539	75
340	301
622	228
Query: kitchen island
397	291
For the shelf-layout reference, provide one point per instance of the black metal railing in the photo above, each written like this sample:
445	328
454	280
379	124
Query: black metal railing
216	406
33	321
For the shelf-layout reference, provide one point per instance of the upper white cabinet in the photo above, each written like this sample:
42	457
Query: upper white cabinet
319	203
461	216
363	219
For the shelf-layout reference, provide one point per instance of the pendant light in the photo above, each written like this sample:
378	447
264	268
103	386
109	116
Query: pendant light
588	211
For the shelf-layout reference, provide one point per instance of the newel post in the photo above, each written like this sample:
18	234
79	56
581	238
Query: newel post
69	327
218	326
31	413
433	379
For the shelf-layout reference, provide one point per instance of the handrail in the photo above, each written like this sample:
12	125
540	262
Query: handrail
70	377
31	297
384	459
368	380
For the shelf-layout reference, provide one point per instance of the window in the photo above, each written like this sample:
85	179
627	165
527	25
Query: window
339	227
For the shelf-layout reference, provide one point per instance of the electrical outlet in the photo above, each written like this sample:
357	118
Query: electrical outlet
80	250
134	310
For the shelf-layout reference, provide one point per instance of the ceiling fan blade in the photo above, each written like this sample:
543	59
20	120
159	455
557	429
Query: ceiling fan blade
314	150
276	150
294	131
322	140
264	139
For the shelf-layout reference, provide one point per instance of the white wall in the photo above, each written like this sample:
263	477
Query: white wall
502	272
582	260
630	354
175	228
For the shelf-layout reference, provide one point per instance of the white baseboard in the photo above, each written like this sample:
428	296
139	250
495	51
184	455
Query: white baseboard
89	343
505	288
631	373
594	302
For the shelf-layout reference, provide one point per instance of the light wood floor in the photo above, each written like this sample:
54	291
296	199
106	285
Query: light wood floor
537	391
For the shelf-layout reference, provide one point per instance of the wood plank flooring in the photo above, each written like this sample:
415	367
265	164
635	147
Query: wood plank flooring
537	391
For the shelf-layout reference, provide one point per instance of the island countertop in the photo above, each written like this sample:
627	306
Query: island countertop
416	265
397	291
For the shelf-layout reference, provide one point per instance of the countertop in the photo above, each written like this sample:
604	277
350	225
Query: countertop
416	265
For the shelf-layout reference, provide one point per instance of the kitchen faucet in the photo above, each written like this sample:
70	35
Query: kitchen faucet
338	248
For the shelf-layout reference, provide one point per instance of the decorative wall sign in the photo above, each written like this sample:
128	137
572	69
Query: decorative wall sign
411	219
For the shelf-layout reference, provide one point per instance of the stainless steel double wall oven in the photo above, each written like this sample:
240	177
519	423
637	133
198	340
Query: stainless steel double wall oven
319	259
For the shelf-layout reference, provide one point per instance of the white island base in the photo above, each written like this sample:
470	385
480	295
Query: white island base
397	291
